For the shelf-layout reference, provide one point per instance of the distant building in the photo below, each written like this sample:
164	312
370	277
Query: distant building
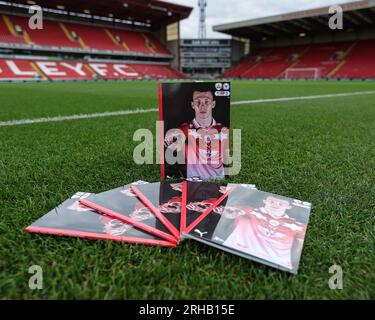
205	58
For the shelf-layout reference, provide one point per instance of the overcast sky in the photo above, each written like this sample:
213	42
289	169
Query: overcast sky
224	11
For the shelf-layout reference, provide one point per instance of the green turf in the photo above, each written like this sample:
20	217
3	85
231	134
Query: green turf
321	151
60	99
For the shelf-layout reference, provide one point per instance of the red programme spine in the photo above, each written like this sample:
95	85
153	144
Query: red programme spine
98	236
183	208
161	131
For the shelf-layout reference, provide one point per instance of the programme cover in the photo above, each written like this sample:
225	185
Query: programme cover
122	204
194	130
164	197
257	225
201	197
75	220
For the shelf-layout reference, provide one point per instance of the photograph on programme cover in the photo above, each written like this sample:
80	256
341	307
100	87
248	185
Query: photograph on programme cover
258	225
196	129
166	197
122	204
200	196
75	220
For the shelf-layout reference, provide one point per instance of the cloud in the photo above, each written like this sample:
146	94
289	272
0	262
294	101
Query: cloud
225	11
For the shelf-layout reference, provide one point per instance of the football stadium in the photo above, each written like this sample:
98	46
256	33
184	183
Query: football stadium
73	93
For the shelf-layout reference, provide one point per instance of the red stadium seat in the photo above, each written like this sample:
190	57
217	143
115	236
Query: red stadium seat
360	63
114	70
60	34
273	63
11	69
65	70
57	35
321	56
156	44
7	32
93	37
158	71
51	34
332	60
138	42
20	69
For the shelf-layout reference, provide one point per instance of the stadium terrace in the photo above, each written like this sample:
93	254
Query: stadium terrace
89	40
300	45
141	40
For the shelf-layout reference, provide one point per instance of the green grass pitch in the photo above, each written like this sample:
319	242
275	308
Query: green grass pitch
321	151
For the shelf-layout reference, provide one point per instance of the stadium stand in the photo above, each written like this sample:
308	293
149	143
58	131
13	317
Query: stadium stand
332	60
51	35
324	57
158	72
301	45
17	70
75	45
73	35
360	62
272	63
7	32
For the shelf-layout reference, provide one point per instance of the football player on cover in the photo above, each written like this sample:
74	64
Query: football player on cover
114	227
206	141
267	232
172	206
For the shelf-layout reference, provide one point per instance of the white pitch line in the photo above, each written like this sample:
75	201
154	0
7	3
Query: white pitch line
138	111
74	117
335	95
